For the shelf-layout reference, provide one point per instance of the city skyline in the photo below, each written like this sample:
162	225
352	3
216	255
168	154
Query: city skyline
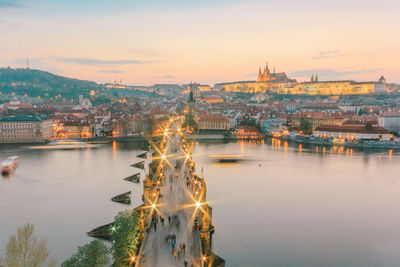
207	42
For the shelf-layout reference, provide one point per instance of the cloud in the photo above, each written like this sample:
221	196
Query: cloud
10	3
92	61
328	54
330	73
165	77
109	71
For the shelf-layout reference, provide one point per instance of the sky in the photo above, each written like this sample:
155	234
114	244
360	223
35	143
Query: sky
143	42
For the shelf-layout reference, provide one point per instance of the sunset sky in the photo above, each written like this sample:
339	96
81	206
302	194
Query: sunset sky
208	41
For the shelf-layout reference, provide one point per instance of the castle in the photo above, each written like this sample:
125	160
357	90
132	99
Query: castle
279	83
266	76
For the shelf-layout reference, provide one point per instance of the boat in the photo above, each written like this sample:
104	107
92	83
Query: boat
65	144
226	158
9	165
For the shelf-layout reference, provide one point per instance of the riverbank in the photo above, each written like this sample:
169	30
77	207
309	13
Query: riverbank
310	140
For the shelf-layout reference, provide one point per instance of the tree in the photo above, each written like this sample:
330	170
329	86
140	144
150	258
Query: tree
125	237
305	126
26	250
94	254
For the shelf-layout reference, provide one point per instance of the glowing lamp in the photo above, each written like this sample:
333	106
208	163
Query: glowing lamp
153	206
133	258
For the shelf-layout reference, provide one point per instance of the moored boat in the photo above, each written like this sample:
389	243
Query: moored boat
65	144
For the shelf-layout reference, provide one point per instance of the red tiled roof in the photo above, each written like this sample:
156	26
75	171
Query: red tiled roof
390	114
214	118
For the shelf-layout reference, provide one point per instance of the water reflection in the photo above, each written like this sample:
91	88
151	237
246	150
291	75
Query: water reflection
292	210
289	205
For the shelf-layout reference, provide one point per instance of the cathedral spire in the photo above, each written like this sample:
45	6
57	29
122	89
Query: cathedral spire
312	78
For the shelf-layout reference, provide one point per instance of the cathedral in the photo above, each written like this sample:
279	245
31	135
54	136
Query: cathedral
264	76
268	76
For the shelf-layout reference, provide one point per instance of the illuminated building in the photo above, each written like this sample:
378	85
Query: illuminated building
213	99
352	132
328	88
248	132
25	129
116	85
279	83
75	129
214	122
316	119
267	81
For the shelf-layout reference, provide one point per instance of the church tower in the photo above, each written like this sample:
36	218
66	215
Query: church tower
189	116
191	102
266	76
260	76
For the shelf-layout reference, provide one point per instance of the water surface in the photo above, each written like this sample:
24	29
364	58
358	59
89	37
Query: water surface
286	206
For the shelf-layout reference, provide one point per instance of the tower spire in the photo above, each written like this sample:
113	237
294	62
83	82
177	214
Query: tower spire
27	63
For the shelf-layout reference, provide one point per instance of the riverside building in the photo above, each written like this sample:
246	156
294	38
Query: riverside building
25	129
352	132
390	120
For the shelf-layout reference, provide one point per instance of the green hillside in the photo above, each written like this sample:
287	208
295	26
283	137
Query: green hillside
42	83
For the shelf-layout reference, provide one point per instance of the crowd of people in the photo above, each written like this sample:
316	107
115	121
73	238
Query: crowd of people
171	220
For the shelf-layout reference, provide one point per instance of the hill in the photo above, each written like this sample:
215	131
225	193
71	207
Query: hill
42	83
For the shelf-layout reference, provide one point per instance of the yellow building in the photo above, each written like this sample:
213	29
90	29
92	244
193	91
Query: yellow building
316	119
328	88
279	83
214	122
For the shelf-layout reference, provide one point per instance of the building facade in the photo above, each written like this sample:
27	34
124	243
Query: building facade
390	120
352	132
316	119
279	83
25	129
214	122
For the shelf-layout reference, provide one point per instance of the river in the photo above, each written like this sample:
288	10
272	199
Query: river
284	206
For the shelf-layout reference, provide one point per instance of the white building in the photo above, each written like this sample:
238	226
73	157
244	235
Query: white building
352	132
25	129
390	120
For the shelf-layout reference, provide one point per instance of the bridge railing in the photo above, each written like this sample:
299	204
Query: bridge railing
140	258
